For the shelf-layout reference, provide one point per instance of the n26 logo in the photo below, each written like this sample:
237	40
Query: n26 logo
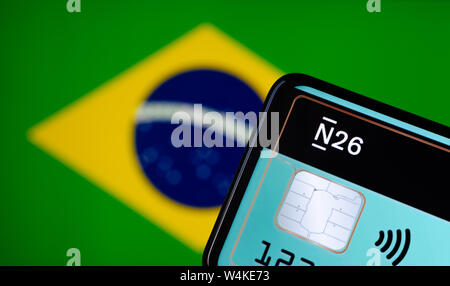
340	138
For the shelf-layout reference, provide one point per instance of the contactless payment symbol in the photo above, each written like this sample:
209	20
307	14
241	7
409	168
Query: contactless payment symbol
320	211
393	244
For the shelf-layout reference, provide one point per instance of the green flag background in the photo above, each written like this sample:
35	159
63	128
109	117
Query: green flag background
400	56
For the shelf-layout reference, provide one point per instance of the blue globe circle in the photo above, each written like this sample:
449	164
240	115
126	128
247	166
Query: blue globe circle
195	176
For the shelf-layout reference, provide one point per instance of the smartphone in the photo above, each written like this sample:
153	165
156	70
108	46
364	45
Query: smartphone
349	181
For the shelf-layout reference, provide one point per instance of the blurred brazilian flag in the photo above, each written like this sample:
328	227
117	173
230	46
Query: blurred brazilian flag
73	174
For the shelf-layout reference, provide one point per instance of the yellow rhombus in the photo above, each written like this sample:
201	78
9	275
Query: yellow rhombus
95	135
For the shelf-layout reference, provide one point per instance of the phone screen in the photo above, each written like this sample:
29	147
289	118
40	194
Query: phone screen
348	185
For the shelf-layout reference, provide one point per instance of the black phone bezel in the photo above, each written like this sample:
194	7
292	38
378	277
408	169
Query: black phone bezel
287	84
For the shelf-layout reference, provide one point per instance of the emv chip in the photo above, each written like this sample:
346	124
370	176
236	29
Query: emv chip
320	211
